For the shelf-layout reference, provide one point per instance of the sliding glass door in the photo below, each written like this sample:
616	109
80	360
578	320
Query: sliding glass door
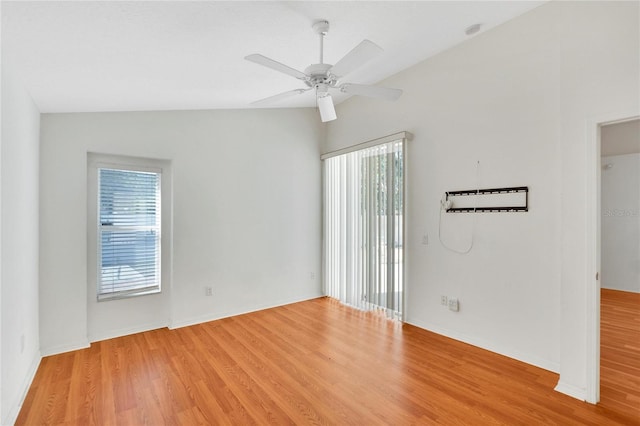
363	227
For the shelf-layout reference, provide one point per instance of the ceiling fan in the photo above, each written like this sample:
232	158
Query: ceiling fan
325	77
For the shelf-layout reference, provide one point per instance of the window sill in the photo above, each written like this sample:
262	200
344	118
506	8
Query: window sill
126	295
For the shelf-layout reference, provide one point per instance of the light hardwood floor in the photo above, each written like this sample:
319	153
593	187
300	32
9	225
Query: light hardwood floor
314	362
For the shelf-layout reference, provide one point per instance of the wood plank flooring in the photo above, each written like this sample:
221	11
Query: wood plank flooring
620	350
314	362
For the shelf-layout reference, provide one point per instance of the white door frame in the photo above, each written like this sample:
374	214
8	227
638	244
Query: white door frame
593	173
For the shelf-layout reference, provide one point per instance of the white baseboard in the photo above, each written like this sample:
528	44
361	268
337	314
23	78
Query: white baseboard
55	350
110	334
185	322
491	346
572	391
14	408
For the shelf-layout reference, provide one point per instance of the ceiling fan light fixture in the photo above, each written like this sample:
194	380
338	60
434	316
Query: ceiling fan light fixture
327	110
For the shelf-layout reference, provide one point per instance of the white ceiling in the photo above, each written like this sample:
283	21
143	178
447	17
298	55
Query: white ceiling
175	55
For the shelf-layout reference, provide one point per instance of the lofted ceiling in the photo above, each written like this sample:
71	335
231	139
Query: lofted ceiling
80	56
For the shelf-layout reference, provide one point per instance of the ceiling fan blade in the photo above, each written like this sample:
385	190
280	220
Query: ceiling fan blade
279	97
371	91
358	56
275	65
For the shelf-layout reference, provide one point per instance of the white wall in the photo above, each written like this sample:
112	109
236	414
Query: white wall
19	248
621	222
620	138
517	99
599	64
246	210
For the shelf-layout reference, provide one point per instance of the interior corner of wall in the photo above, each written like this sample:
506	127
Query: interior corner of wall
14	409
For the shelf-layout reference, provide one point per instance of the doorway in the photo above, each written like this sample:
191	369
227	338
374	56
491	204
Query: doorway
620	265
593	173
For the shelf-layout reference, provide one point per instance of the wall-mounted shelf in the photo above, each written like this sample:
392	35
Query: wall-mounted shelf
511	199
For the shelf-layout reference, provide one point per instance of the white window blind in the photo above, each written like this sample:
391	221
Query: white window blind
128	232
363	227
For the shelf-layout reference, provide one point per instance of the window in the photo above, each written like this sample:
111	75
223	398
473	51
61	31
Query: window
129	231
363	226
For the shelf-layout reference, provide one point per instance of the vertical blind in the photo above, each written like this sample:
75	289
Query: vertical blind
363	227
129	233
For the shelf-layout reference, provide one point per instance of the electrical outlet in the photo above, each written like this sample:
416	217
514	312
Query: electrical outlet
312	276
425	239
454	305
443	300
208	291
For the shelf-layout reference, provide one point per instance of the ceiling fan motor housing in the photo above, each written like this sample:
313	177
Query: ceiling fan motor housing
319	74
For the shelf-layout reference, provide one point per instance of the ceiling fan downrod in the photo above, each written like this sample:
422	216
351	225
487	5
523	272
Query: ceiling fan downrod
321	28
